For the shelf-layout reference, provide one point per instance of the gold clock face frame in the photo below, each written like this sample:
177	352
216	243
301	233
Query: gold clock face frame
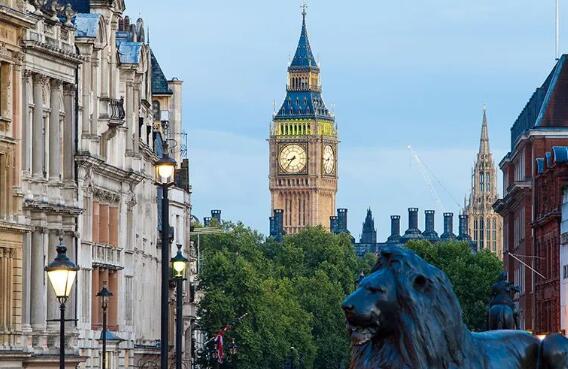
292	158
328	160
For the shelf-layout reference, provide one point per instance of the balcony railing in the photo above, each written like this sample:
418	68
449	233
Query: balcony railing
112	110
106	255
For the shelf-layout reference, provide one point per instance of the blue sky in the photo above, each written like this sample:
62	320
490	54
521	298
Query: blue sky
398	73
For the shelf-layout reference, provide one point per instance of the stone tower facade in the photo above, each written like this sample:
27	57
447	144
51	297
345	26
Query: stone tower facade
485	225
303	147
369	233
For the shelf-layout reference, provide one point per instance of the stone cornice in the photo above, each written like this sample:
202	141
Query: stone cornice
13	227
35	205
16	17
42	47
100	167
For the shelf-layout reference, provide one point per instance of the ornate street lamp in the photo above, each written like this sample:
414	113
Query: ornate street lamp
165	171
179	264
104	294
62	273
165	168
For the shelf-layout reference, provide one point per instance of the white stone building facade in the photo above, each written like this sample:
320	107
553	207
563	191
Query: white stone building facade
85	172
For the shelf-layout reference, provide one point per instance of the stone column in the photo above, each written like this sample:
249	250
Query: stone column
136	116
52	303
69	241
129	117
94	87
38	150
38	281
69	132
26	131
26	280
112	70
94	303
55	132
105	58
86	118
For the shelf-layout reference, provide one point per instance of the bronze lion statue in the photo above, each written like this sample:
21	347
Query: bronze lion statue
405	315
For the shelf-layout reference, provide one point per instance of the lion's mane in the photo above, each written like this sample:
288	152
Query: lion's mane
431	333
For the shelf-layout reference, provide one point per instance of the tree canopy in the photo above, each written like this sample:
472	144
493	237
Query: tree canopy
472	275
292	292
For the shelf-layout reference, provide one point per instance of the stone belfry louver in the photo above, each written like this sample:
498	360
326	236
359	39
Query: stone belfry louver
485	226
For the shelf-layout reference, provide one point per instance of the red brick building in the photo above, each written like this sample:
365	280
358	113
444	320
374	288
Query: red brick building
552	177
542	124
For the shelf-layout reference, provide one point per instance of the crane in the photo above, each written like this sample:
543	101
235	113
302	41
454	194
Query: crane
427	178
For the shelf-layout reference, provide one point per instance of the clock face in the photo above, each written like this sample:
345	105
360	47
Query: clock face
292	158
328	159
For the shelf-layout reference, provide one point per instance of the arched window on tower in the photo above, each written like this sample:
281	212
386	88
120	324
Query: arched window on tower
488	182
476	231
494	240
481	233
481	182
156	109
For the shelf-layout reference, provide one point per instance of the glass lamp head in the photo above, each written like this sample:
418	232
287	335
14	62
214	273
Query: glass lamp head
179	263
165	169
61	273
104	294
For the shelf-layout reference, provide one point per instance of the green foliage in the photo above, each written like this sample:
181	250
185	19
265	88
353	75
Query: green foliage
292	292
472	275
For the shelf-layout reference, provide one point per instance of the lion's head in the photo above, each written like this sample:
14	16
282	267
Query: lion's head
409	307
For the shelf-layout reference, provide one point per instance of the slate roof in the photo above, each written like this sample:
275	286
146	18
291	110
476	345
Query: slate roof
86	25
159	81
546	107
80	6
129	52
303	104
304	58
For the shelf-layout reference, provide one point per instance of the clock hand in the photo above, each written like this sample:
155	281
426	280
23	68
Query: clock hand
290	162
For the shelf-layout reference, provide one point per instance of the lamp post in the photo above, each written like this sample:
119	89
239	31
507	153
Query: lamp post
61	273
165	170
179	264
104	294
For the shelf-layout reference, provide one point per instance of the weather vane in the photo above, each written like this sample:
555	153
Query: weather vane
304	8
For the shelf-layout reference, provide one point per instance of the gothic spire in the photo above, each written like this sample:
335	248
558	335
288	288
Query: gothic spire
304	58
484	140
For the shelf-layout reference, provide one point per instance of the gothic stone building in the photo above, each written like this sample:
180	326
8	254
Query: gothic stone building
485	225
303	147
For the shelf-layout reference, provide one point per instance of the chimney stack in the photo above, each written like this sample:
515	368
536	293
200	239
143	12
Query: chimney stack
430	232
448	227
412	233
395	229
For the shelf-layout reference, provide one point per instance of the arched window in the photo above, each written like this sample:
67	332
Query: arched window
156	109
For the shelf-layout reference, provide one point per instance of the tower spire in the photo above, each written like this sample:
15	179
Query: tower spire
484	139
304	58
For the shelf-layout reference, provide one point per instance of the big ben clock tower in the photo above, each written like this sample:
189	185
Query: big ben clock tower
303	147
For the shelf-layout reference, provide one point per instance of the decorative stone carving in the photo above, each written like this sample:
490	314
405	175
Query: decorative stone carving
105	195
68	13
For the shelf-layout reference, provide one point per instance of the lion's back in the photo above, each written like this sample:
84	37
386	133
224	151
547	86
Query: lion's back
505	349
